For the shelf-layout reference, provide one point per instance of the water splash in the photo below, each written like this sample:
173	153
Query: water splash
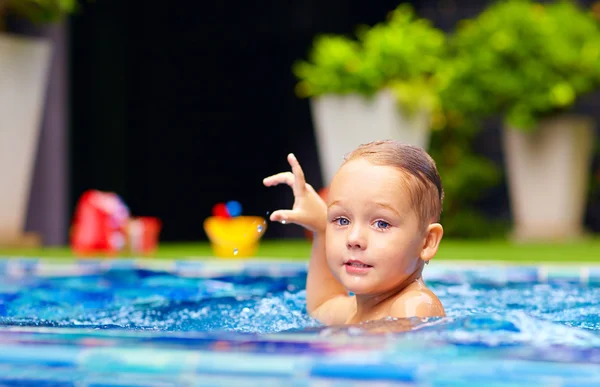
491	316
146	302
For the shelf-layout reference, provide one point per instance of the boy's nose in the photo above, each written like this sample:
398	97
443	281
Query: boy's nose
356	238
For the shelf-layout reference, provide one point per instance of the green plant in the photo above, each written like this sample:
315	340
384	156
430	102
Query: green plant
466	177
336	65
523	60
409	57
38	11
403	54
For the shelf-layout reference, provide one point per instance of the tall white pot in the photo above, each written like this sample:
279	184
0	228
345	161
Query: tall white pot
342	122
548	172
24	64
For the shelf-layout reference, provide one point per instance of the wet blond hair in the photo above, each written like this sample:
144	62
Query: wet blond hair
422	180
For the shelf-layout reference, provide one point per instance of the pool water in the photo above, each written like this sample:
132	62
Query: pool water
139	322
145	300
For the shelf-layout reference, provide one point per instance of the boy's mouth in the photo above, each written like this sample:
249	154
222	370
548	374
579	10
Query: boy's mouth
356	267
356	263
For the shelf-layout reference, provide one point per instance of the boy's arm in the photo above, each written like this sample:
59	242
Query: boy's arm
326	298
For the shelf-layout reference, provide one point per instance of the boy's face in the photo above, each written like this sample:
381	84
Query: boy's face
373	238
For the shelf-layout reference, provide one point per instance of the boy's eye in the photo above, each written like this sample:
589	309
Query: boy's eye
342	221
382	224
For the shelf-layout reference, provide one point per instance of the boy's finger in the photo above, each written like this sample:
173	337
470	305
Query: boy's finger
299	184
283	216
280	178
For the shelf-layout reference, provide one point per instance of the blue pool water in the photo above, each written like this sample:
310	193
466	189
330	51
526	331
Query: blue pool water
244	323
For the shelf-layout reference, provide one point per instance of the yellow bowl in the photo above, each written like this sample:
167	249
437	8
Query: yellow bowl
235	237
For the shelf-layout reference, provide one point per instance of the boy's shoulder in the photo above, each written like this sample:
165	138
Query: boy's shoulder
419	301
336	310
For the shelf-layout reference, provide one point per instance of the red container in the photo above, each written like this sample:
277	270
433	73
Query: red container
143	234
99	224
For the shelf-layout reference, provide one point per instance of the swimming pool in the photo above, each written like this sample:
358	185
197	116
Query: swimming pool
223	323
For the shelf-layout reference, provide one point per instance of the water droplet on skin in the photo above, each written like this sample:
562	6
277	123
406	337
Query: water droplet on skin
283	221
259	228
235	251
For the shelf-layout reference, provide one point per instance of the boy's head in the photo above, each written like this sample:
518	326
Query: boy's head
383	206
422	181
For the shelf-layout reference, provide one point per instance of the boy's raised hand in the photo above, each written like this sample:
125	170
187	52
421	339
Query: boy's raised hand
309	210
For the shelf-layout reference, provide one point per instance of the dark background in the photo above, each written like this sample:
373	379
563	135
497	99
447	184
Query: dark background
177	106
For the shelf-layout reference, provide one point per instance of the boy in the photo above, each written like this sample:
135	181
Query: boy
373	237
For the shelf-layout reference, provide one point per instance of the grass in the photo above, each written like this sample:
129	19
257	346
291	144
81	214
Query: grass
587	250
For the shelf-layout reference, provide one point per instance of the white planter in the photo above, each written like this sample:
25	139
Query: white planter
24	64
548	172
344	122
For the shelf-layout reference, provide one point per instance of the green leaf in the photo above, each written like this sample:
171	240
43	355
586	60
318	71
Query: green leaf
524	60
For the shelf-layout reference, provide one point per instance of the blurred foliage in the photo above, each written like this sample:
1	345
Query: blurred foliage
519	59
524	60
402	53
467	178
39	11
412	58
336	65
409	56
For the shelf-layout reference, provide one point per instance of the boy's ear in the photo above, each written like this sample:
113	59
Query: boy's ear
433	236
